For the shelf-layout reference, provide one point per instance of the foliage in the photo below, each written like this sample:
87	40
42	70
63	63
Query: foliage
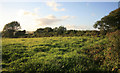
11	30
54	54
112	53
8	33
62	31
20	34
14	25
109	23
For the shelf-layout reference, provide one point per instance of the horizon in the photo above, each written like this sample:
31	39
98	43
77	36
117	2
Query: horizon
72	15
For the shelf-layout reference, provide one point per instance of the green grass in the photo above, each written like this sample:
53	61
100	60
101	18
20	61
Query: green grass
53	54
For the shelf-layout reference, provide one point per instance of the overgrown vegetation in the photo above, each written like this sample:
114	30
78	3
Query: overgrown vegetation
56	54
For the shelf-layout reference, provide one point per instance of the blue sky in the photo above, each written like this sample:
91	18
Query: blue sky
73	15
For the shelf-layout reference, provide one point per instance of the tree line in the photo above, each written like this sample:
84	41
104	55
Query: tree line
107	24
10	31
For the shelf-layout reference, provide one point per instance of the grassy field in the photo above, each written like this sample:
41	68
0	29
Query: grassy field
54	54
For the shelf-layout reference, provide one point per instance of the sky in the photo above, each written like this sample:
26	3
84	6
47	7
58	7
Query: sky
72	15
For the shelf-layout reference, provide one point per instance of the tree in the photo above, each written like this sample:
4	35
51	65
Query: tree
10	28
39	32
110	22
71	32
48	29
61	30
20	33
14	25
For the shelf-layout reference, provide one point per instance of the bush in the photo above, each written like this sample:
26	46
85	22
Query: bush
113	50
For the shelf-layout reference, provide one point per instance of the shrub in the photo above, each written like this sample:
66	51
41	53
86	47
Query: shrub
113	50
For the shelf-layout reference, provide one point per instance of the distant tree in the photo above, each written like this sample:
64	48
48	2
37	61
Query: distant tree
61	30
20	33
110	22
10	28
71	32
39	32
8	33
55	29
48	29
14	25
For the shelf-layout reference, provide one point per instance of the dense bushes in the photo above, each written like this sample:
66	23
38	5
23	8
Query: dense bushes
113	50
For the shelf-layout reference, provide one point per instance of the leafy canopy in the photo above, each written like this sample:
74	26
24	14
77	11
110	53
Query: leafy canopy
14	25
10	28
110	22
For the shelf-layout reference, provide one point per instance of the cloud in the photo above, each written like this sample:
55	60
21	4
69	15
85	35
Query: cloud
35	19
76	27
68	17
55	6
27	19
36	10
51	19
65	17
22	12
